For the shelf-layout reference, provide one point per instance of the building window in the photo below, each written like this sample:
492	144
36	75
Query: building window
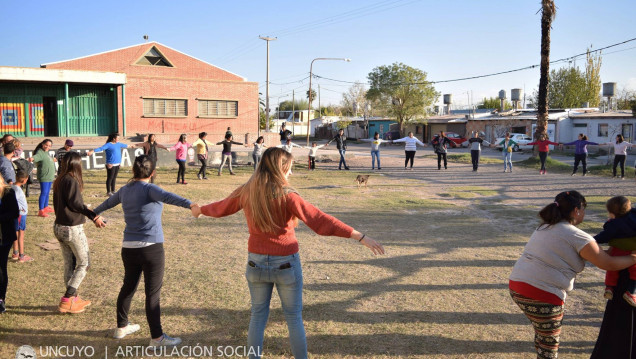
218	108
580	125
519	129
160	107
602	130
627	129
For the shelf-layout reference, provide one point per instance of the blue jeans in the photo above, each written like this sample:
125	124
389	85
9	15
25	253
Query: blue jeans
45	189
507	159
375	155
262	273
342	159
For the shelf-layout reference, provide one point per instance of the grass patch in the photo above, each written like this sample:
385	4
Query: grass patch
467	192
551	164
606	170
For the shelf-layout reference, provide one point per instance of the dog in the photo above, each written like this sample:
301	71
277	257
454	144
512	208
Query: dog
362	179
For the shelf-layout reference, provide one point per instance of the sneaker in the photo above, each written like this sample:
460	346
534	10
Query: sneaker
25	258
346	168
609	293
574	174
73	305
379	168
218	174
232	174
622	177
41	213
545	172
199	177
15	256
505	171
630	298
165	341
585	174
128	329
3	308
205	178
48	209
184	182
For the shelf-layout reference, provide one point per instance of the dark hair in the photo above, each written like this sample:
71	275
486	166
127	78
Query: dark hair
20	175
228	128
71	166
112	137
620	138
562	207
376	134
150	135
202	134
584	138
143	167
618	206
4	138
259	139
182	138
228	136
8	147
39	146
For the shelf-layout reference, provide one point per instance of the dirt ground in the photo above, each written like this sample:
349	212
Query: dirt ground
452	237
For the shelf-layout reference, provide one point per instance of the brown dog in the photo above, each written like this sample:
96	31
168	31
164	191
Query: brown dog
362	179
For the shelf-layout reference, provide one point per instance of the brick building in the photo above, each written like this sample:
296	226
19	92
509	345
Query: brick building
168	93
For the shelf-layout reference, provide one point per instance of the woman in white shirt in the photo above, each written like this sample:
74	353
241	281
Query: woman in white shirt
410	147
620	154
375	149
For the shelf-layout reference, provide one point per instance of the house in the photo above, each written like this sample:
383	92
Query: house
600	127
524	121
380	125
168	92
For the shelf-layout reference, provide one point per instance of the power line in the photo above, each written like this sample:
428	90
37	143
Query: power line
492	74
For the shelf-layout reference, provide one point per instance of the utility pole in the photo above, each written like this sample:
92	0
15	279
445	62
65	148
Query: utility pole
319	111
293	111
268	39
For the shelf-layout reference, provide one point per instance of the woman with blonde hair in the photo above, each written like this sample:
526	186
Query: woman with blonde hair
9	213
272	209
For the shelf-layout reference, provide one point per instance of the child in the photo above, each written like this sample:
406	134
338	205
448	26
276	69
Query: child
312	155
621	225
17	154
226	155
20	223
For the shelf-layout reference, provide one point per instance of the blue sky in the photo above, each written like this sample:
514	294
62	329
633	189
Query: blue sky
447	39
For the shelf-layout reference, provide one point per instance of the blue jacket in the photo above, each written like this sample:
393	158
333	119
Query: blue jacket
113	152
6	170
581	146
142	203
622	227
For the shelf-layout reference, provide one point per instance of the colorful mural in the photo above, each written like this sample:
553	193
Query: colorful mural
12	117
36	112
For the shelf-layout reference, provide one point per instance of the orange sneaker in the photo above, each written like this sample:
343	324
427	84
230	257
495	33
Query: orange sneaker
73	305
48	209
41	213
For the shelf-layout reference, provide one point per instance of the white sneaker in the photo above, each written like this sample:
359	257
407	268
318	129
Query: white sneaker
165	341
128	329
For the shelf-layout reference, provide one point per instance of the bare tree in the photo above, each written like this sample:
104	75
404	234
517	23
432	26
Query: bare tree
548	12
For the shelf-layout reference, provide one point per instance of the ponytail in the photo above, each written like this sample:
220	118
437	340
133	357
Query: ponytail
562	207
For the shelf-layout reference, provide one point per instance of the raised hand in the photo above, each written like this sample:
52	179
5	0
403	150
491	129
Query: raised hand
374	246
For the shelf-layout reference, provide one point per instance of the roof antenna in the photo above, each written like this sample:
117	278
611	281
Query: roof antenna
146	38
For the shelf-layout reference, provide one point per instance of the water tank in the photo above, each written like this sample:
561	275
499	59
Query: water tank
609	89
502	94
448	99
585	105
516	94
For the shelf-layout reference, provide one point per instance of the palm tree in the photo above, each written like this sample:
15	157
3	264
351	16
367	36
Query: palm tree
548	12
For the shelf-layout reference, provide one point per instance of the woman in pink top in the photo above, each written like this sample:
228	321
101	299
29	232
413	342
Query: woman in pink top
544	147
181	148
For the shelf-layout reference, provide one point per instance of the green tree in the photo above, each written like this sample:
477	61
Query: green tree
297	105
330	110
593	79
402	90
494	102
313	95
356	94
567	88
624	98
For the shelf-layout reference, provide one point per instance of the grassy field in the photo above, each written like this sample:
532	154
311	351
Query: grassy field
440	292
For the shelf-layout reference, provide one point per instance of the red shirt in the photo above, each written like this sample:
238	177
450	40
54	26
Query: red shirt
283	242
544	146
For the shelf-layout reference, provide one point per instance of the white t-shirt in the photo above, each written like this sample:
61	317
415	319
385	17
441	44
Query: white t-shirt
551	259
621	148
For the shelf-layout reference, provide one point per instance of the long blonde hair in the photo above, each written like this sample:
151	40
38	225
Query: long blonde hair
264	194
4	187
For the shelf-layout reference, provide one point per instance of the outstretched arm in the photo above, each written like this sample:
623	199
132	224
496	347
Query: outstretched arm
222	208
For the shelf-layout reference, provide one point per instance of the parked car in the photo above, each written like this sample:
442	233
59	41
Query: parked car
466	144
456	139
521	139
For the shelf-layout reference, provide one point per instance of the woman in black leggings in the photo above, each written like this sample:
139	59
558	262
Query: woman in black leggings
181	147
9	212
620	154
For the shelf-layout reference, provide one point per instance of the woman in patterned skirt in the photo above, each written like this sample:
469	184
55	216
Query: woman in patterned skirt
545	273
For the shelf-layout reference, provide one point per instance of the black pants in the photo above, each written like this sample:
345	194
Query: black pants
312	162
439	160
181	172
543	156
149	261
474	156
582	158
619	159
410	155
111	178
204	166
4	277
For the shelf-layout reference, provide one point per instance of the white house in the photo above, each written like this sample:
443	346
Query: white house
600	127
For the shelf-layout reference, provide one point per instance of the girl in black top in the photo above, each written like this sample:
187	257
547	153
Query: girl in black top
9	213
227	152
150	149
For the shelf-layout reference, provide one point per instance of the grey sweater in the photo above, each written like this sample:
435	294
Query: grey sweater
142	203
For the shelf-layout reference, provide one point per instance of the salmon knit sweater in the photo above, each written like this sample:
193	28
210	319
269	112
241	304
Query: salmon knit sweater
283	242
